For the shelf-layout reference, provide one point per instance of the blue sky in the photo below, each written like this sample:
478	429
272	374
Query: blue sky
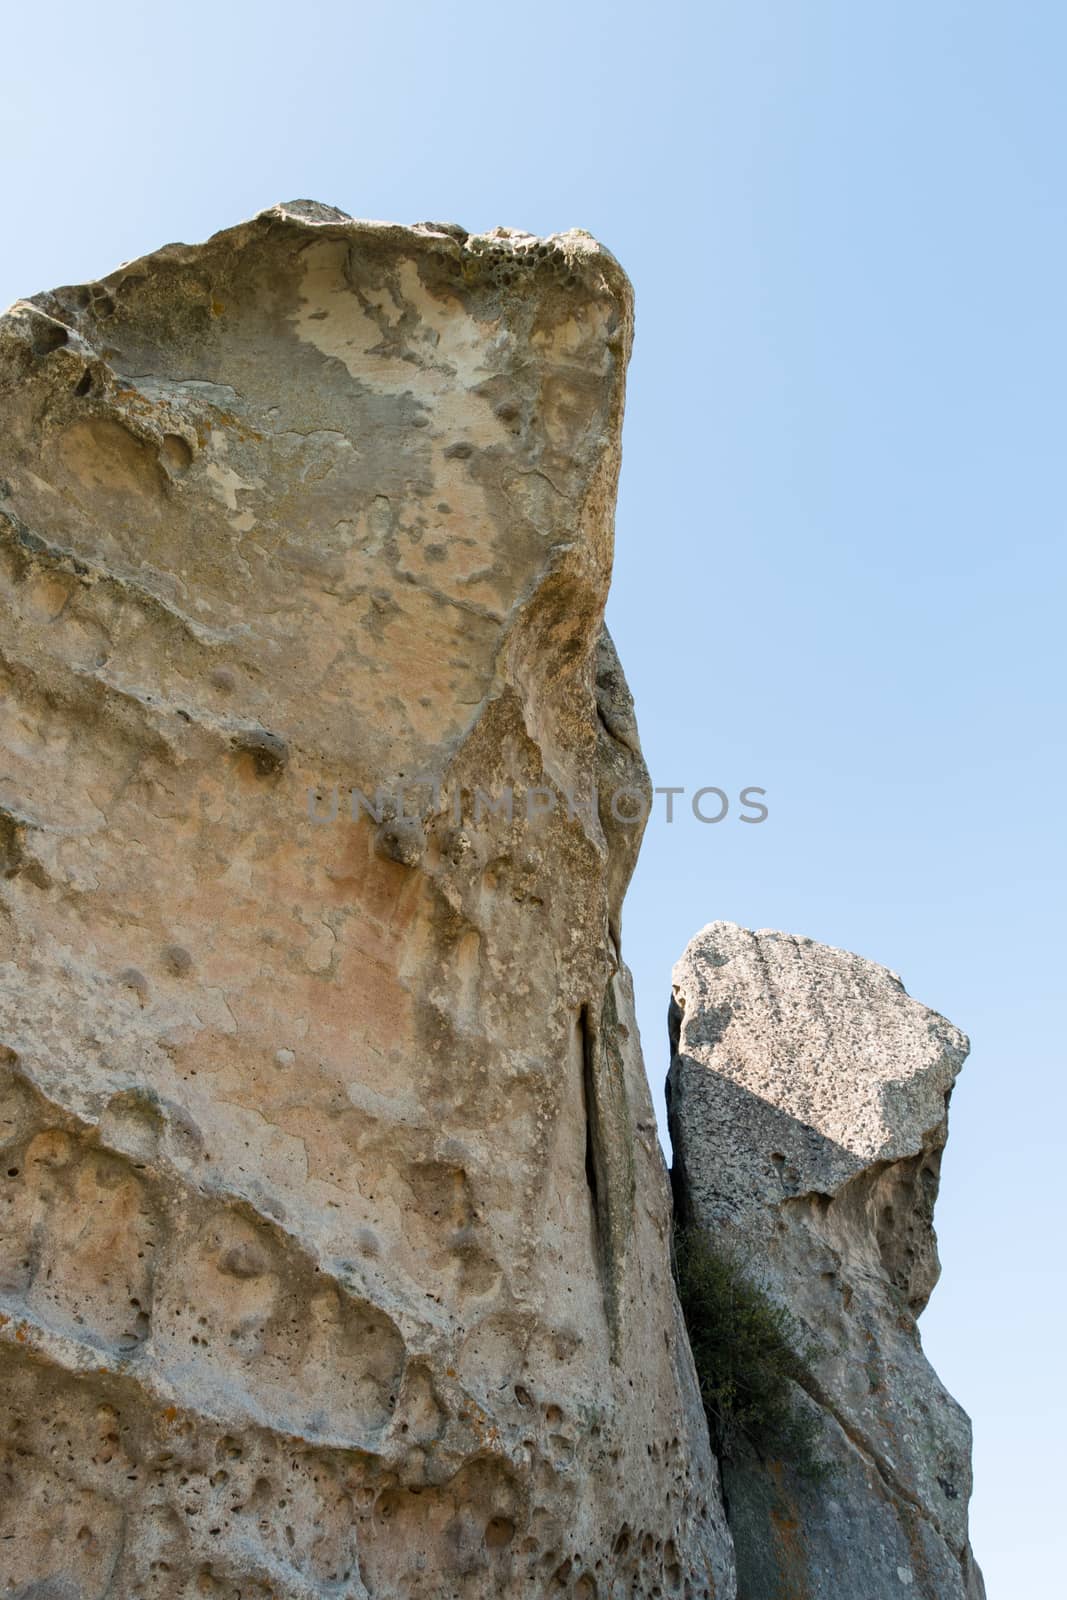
840	562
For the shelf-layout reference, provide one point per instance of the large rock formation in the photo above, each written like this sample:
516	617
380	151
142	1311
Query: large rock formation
808	1102
333	1237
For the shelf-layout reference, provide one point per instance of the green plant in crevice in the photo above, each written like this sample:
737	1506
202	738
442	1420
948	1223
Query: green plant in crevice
749	1353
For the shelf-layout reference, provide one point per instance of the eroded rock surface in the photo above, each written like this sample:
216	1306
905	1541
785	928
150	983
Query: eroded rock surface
808	1100
333	1225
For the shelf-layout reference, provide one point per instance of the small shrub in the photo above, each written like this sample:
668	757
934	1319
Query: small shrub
748	1353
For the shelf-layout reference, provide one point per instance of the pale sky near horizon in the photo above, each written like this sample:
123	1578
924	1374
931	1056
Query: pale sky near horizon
840	560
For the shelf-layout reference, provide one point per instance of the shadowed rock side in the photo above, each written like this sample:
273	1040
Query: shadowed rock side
808	1101
333	1225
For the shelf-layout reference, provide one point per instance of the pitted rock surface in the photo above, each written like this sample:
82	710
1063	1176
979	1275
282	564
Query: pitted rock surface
333	1236
808	1098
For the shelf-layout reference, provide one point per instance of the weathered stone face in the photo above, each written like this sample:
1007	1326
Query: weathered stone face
808	1102
333	1238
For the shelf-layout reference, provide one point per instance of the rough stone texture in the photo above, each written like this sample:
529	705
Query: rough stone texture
333	1236
808	1103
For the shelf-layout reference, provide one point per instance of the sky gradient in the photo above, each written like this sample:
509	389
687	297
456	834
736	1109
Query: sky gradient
840	558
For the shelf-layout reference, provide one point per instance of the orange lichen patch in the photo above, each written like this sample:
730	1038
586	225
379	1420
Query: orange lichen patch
217	308
786	1523
792	1561
134	400
236	424
926	1581
218	418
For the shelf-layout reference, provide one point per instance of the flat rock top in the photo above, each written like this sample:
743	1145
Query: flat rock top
503	257
793	1055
